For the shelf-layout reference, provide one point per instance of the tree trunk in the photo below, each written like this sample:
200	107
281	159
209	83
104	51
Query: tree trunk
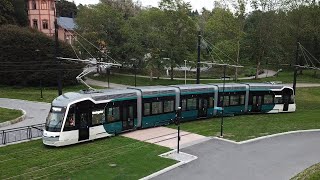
151	75
257	71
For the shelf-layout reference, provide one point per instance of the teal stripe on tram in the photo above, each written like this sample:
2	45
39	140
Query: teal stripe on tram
113	128
158	95
157	120
189	115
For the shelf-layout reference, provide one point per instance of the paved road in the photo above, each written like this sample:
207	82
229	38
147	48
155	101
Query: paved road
281	157
36	111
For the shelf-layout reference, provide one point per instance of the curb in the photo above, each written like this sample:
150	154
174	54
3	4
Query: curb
19	119
170	167
266	137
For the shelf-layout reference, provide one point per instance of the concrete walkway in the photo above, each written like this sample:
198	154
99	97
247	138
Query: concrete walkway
105	84
280	157
164	136
36	112
265	74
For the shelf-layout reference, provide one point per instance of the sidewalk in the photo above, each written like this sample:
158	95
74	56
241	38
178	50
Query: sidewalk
164	136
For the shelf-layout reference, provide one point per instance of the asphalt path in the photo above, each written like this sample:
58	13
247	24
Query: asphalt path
36	112
280	157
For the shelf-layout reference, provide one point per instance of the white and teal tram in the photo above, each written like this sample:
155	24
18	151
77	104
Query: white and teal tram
87	115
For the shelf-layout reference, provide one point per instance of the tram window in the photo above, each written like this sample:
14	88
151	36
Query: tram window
268	99
242	100
131	113
211	102
278	100
147	109
157	107
226	101
97	117
168	106
234	100
184	104
292	99
70	123
192	104
113	114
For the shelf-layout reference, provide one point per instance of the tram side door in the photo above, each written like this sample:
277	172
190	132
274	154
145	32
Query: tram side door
84	121
256	103
127	117
203	107
286	102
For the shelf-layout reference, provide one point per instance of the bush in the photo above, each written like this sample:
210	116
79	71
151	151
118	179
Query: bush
27	56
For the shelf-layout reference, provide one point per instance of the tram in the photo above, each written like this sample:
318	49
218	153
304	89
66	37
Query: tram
87	115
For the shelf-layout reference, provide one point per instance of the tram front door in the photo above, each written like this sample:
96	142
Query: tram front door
84	126
128	117
256	103
203	107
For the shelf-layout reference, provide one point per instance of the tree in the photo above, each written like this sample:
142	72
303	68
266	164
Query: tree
20	12
105	24
6	12
27	56
66	9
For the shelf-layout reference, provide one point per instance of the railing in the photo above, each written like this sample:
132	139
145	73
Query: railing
20	134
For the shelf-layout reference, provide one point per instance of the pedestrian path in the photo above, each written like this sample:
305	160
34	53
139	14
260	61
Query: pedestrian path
36	112
166	137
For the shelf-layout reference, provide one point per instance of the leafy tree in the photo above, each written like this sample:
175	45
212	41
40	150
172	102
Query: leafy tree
27	56
6	12
20	12
104	25
66	9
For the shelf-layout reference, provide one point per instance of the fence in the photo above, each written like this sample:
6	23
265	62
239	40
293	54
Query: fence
20	134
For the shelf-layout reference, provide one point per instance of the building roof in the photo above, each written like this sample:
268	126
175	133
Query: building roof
66	23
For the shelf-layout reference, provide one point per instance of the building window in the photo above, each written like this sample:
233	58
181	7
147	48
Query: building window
45	24
35	23
34	4
44	5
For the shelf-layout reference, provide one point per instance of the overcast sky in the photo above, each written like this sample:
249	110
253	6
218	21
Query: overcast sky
196	4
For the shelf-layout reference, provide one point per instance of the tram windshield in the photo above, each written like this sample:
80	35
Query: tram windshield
55	119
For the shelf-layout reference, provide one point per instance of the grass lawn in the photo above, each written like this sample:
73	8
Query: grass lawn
9	114
284	77
246	127
111	158
33	93
311	173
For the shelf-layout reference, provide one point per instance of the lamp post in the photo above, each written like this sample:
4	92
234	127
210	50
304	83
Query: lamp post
223	94
185	72
135	70
57	49
41	96
223	90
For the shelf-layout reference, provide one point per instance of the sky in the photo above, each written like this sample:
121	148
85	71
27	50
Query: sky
196	4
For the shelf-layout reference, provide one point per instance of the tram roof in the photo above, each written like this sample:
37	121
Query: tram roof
254	86
100	95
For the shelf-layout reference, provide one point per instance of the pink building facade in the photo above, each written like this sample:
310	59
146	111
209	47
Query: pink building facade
42	15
